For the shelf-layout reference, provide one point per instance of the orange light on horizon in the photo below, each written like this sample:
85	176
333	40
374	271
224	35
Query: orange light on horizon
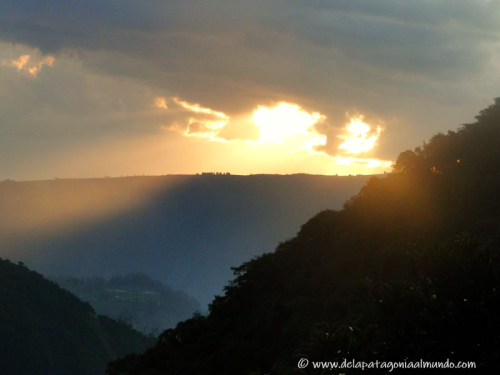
287	136
366	163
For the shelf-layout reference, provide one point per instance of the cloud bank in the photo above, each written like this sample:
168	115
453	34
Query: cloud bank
418	67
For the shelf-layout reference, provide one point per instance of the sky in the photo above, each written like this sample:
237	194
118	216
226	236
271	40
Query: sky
113	88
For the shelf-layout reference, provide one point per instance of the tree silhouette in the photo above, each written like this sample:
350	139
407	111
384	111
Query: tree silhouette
409	269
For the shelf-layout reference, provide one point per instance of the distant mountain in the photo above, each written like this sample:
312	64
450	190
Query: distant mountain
147	304
47	330
405	276
186	231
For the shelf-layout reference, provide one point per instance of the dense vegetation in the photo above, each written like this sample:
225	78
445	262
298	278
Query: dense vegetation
147	304
409	269
47	330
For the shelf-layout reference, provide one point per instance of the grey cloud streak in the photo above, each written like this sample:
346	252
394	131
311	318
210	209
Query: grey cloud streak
406	62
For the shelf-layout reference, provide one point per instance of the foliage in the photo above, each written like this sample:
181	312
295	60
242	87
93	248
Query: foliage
47	330
146	303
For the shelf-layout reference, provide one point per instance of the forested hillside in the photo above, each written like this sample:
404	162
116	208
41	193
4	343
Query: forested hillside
147	304
409	269
47	330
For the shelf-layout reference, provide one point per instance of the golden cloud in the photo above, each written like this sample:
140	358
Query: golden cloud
359	137
191	119
285	124
25	63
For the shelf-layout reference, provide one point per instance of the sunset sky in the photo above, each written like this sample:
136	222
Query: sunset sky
111	88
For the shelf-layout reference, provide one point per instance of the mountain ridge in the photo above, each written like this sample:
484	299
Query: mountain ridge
408	271
45	329
184	230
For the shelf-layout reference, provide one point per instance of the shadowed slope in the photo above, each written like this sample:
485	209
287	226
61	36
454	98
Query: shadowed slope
186	231
409	270
47	330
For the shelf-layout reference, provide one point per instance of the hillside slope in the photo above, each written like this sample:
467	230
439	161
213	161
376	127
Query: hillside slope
47	330
147	304
408	270
185	231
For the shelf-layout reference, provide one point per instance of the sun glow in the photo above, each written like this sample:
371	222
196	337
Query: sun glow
287	134
160	102
283	121
366	163
358	138
197	108
193	120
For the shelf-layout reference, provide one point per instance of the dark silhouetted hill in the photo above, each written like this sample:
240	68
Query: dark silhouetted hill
147	304
407	271
185	231
47	330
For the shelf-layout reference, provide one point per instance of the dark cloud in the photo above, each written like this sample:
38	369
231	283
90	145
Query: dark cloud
267	43
409	63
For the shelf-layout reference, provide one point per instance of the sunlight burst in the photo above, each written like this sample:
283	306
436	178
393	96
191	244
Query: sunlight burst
358	138
282	121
